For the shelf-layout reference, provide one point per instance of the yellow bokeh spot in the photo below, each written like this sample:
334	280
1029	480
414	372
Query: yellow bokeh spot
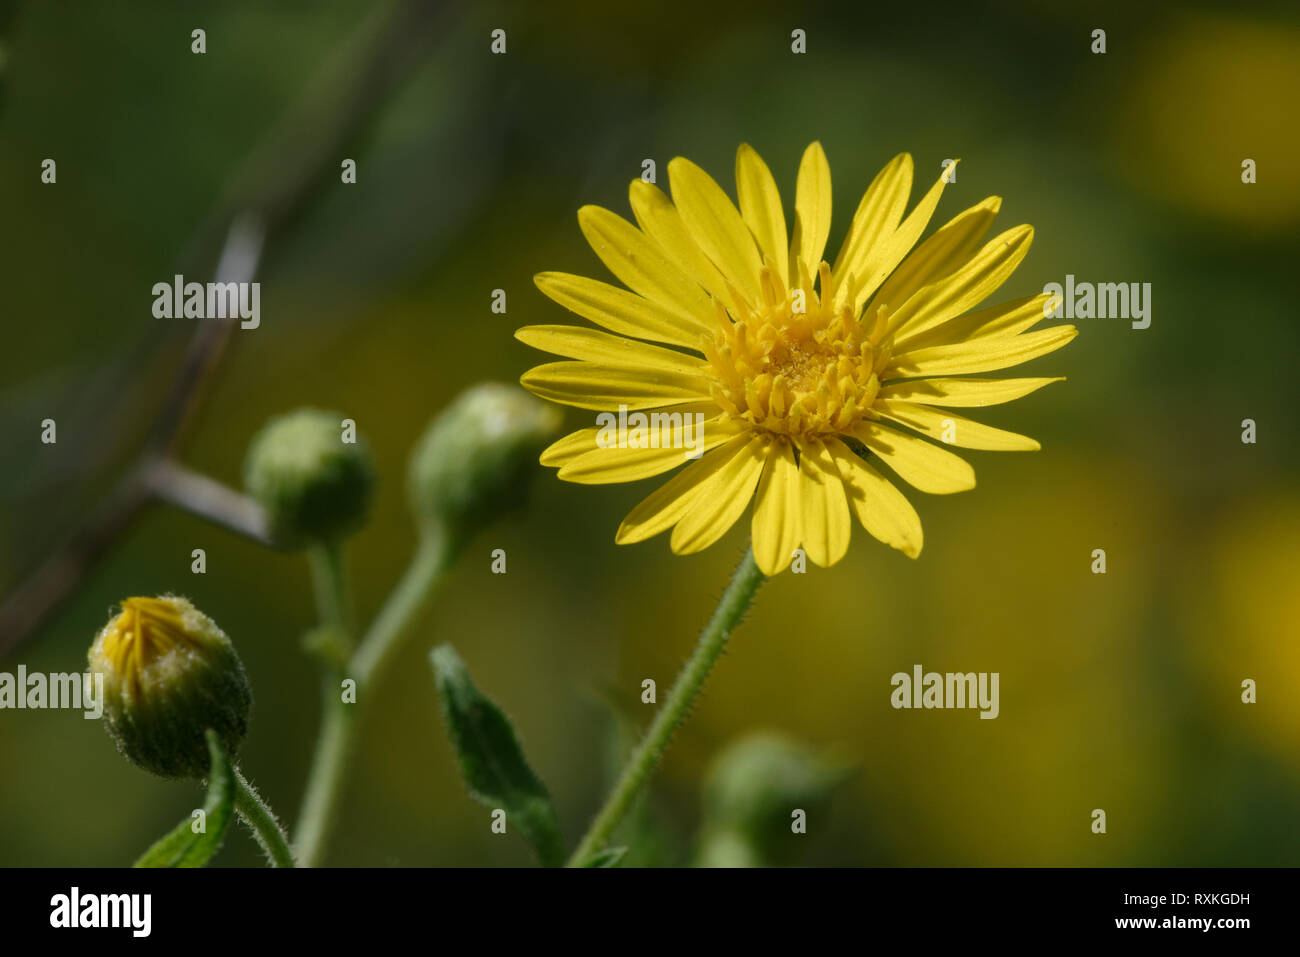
1213	94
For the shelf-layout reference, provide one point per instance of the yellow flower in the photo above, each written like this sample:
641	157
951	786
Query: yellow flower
798	368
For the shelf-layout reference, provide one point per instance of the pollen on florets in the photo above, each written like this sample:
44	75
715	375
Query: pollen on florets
801	364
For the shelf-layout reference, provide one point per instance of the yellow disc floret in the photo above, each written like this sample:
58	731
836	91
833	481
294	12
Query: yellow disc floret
799	366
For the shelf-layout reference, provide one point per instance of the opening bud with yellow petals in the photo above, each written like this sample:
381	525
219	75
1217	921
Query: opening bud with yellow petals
169	675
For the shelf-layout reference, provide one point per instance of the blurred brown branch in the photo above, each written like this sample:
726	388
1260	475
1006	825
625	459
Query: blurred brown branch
273	188
207	498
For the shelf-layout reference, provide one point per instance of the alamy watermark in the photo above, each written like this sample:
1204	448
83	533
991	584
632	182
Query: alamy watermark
656	430
78	692
133	912
930	689
179	299
1103	300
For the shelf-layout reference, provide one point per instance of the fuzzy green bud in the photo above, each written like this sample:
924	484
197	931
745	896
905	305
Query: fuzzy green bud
751	794
477	455
170	674
312	474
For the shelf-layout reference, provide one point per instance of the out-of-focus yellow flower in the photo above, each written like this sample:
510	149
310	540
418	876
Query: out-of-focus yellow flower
801	370
1212	92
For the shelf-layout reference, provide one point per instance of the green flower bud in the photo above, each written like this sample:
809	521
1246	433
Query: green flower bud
750	794
169	675
313	485
475	458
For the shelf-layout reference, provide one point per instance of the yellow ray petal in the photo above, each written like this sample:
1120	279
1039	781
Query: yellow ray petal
619	310
679	440
575	342
777	524
881	508
716	225
877	217
883	258
967	287
728	495
664	507
760	207
812	213
961	393
601	386
825	508
642	264
569	447
1005	319
659	219
981	355
918	463
940	255
952	429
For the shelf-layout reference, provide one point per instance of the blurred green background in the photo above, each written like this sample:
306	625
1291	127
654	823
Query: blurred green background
1118	692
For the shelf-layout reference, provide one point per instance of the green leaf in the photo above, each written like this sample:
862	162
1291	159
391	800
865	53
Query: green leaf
181	847
491	759
609	857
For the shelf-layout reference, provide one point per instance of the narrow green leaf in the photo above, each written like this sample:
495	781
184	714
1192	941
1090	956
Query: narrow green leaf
609	857
167	850
181	847
492	760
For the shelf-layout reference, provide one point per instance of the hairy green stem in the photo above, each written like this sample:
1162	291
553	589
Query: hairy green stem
262	822
336	743
645	759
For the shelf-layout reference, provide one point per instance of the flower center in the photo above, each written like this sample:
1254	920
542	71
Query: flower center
796	367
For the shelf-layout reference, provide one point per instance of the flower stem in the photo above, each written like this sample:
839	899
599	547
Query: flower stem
329	766
641	765
262	822
329	584
404	605
335	744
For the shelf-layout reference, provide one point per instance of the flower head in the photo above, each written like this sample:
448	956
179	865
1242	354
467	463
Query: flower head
801	372
170	674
